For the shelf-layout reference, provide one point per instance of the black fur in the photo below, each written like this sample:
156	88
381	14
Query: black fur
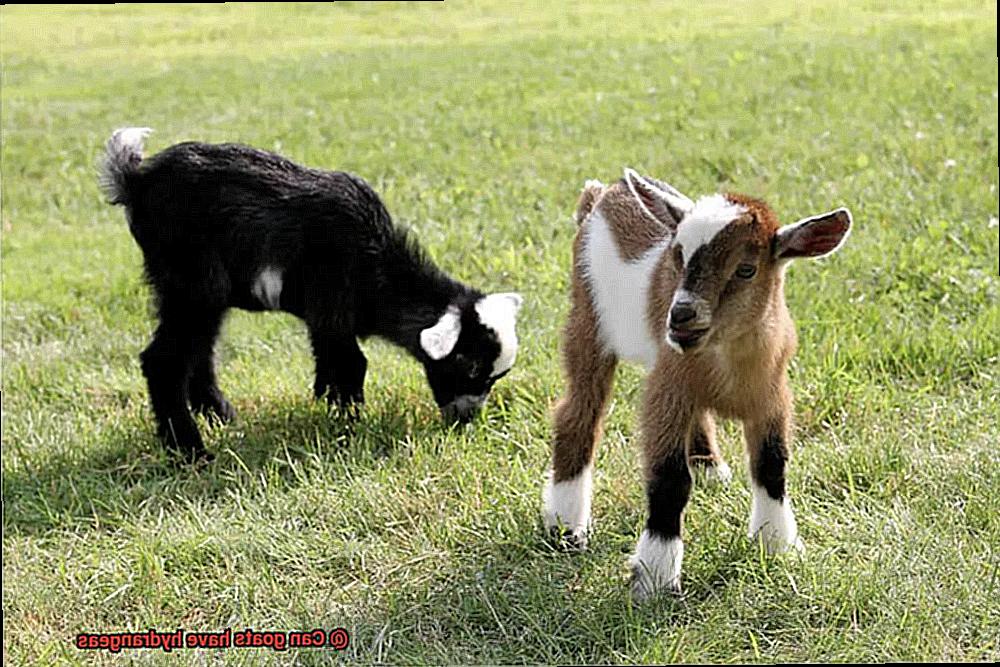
210	218
667	491
769	470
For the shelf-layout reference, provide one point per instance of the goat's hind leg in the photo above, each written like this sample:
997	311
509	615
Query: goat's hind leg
577	424
704	456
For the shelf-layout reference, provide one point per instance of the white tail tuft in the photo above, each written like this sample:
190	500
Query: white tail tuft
122	156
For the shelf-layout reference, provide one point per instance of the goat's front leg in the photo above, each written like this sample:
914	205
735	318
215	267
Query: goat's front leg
340	368
771	517
577	425
668	422
167	364
704	456
203	387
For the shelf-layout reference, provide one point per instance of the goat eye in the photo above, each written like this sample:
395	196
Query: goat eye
746	271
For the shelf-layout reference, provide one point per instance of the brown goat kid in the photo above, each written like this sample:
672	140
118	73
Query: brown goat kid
693	291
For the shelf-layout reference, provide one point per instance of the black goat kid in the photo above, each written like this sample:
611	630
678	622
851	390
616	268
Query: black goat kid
226	225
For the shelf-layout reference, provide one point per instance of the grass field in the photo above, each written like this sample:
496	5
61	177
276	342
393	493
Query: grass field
479	122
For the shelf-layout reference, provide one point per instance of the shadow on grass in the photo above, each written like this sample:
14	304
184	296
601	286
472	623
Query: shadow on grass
520	600
99	486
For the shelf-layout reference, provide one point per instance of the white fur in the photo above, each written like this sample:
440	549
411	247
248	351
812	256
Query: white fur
671	196
567	503
686	295
702	308
131	137
656	565
467	402
439	340
267	287
674	345
620	291
122	149
773	522
709	216
702	319
499	312
681	201
720	473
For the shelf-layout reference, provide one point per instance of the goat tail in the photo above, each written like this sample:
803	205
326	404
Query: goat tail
121	160
592	191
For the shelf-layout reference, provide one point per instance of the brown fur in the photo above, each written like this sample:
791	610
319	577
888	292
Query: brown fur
703	449
590	372
634	231
681	392
723	335
738	374
665	278
589	368
588	197
760	212
761	306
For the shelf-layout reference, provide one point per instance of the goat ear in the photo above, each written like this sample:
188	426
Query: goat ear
439	340
662	202
816	236
511	300
499	311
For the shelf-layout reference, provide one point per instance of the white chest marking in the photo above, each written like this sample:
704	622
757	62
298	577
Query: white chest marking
709	216
620	291
267	287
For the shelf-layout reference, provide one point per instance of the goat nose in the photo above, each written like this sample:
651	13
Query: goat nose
681	313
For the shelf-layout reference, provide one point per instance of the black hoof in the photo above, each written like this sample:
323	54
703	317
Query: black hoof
215	406
565	540
184	442
196	457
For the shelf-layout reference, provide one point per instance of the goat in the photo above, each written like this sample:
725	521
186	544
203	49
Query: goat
693	291
229	226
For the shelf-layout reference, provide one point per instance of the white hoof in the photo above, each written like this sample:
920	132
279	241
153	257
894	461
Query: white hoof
719	474
656	566
773	522
566	508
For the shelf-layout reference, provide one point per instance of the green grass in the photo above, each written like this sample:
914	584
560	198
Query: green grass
479	122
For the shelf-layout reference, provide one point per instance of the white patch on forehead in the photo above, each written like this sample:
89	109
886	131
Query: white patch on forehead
267	287
499	312
709	216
